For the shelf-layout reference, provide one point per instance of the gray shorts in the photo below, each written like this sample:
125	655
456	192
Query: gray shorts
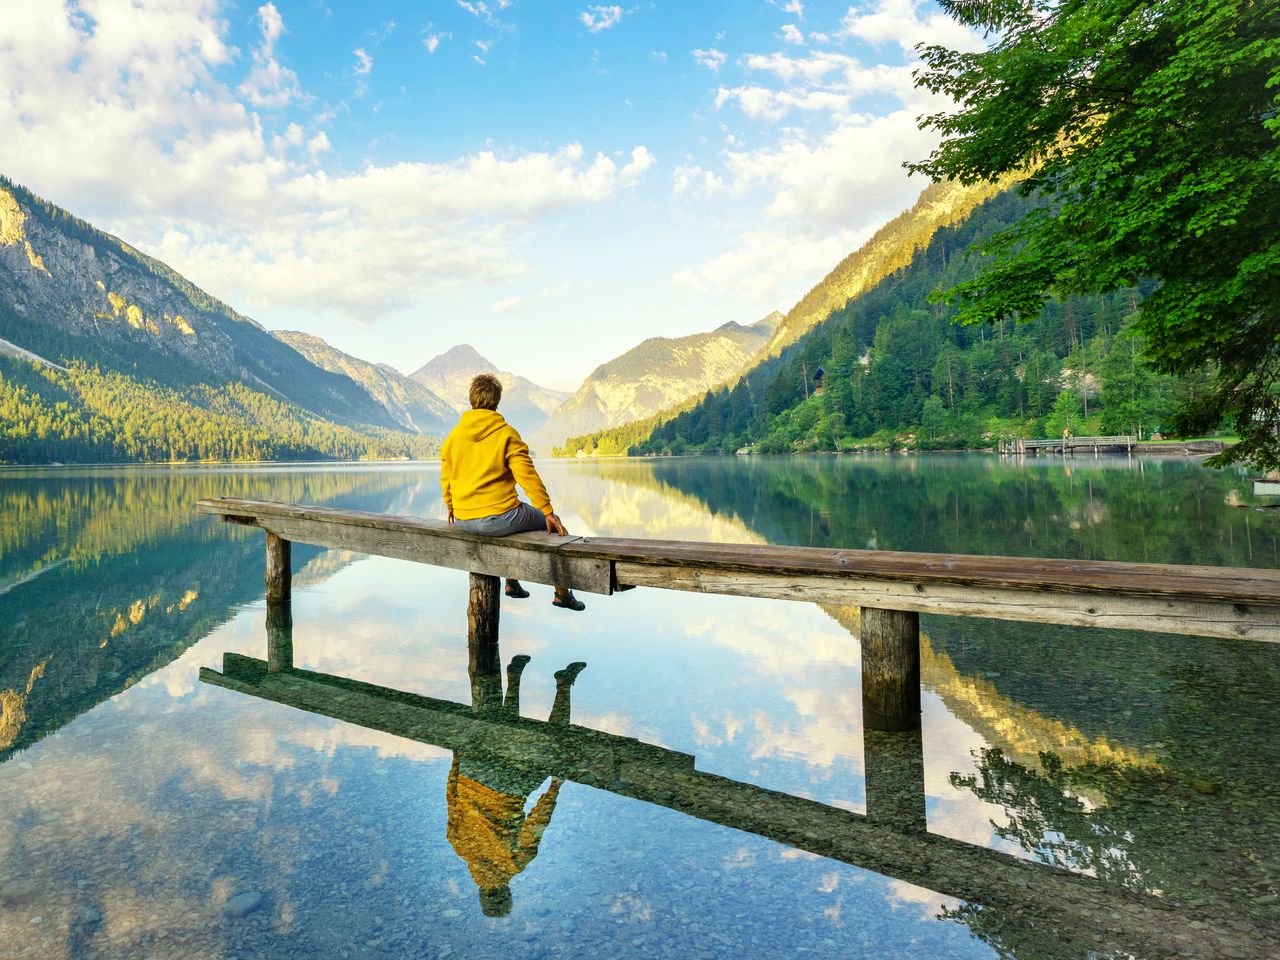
519	519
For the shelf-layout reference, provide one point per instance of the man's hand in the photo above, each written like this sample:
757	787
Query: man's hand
450	517
555	526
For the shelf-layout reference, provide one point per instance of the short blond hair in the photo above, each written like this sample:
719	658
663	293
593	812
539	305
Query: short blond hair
486	391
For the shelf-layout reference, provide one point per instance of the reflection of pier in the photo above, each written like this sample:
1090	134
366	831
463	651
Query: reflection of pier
1069	913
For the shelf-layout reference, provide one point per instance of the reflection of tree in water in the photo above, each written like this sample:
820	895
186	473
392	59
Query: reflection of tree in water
1202	827
1152	510
108	576
1047	817
488	827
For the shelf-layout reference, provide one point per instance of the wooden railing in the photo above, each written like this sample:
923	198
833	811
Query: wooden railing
892	588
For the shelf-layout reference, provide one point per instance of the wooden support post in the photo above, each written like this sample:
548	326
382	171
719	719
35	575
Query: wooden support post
483	659
279	637
279	573
894	767
890	669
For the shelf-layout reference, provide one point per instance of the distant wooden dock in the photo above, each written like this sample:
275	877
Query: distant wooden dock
1069	445
892	588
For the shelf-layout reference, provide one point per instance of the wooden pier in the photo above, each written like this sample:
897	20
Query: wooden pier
892	588
1069	445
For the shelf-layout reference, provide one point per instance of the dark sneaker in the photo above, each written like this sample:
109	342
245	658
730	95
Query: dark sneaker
568	601
515	591
570	673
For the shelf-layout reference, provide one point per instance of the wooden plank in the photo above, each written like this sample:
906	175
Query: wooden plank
1204	618
536	557
1247	585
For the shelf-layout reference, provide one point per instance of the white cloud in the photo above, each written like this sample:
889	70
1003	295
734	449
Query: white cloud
318	145
483	11
851	175
766	104
509	305
432	41
771	266
659	55
900	22
599	17
791	34
693	179
364	63
641	160
269	85
122	120
713	60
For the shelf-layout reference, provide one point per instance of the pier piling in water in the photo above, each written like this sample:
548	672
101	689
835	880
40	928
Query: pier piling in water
279	636
482	636
890	669
279	572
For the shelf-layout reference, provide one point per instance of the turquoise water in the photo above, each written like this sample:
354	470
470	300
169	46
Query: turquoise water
701	789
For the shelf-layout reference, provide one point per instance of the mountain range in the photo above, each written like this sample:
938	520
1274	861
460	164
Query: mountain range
656	374
525	405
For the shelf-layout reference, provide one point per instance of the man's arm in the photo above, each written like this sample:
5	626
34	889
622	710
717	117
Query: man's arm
522	469
446	475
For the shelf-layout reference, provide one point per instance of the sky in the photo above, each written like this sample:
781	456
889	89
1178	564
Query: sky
551	182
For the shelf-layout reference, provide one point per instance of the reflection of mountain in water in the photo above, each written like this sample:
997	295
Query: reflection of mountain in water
109	577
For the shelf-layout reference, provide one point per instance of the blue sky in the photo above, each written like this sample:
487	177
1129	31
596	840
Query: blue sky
551	182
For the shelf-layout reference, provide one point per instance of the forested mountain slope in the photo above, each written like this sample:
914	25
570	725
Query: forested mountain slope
889	369
111	355
653	376
411	405
525	405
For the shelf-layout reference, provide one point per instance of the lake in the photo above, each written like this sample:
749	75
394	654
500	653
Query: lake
717	766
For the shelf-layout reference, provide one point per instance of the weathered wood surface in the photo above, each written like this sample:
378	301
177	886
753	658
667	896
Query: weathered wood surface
890	642
1239	603
537	557
1171	614
1102	916
279	569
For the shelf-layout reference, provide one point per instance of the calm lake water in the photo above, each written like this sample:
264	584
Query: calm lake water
709	797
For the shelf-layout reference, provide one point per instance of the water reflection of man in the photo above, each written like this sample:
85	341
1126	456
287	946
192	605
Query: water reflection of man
488	827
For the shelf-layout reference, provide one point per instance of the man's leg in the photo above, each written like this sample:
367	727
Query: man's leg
564	683
514	669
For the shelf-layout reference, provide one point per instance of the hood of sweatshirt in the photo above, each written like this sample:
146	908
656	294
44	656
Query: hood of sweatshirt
478	424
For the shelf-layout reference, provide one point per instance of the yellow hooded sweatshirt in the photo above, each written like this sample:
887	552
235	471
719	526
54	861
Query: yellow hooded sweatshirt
482	460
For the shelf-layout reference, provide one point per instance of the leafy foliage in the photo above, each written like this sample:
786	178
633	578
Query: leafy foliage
898	372
1152	125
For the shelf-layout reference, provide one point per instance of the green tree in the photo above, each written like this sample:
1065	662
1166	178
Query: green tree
1150	129
1067	414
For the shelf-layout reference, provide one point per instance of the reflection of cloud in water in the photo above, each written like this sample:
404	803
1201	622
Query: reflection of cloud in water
899	893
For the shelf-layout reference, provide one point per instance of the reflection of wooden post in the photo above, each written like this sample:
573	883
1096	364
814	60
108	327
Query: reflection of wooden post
894	765
890	669
482	641
279	575
279	636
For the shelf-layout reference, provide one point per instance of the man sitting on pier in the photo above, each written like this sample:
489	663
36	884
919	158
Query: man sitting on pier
482	460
